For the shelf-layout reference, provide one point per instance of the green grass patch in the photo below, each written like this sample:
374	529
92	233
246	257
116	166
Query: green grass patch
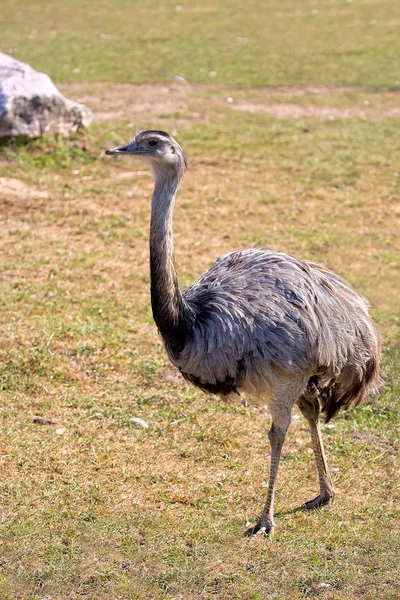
261	43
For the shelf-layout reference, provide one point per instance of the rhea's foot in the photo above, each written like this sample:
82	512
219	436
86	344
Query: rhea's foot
321	500
260	530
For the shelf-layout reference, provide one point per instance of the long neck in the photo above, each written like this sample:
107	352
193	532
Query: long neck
166	298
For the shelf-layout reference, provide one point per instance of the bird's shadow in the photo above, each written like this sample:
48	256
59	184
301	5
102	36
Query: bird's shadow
301	508
291	511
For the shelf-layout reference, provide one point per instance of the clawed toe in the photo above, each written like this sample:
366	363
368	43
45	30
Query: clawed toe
318	502
260	530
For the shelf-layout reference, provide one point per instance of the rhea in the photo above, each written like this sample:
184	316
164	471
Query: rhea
259	322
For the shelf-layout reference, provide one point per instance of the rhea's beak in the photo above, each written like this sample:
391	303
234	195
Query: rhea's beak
128	149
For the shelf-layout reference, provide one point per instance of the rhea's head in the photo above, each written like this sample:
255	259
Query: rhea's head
164	153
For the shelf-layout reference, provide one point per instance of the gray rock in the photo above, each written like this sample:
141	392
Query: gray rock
31	105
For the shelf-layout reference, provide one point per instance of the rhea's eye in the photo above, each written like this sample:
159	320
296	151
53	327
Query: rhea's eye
152	143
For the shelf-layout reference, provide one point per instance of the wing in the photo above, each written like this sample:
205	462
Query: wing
251	313
258	313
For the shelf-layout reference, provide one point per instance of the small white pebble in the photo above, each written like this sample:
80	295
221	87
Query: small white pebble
320	586
229	100
140	422
330	426
366	102
180	79
100	311
76	172
60	430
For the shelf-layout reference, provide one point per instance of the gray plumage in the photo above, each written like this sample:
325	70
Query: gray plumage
261	322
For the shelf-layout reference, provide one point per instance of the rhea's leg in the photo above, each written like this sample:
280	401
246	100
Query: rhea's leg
310	409
288	390
266	523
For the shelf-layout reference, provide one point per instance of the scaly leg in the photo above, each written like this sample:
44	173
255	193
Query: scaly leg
266	523
280	406
310	409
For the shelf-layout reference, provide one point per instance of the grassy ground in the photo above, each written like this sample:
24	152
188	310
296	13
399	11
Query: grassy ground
270	42
94	506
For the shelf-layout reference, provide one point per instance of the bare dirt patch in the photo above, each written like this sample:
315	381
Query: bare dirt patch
297	111
315	90
15	187
126	101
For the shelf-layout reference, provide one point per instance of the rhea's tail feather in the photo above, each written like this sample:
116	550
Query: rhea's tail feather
349	390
